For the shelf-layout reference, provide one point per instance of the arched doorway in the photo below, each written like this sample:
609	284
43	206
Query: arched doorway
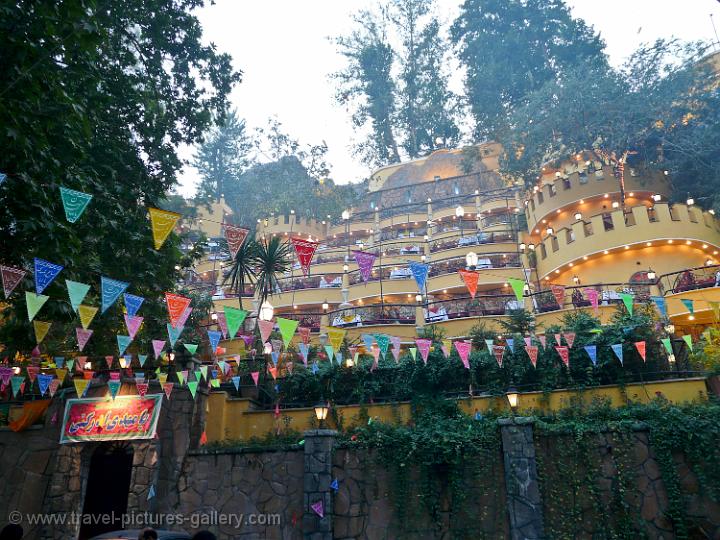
107	489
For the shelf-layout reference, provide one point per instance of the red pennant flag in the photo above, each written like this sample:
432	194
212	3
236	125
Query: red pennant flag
10	278
559	294
32	372
203	439
498	351
109	360
273	371
569	338
532	352
176	305
255	376
141	388
470	278
640	346
235	236
305	249
564	353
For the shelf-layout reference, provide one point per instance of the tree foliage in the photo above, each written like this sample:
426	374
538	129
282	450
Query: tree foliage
97	97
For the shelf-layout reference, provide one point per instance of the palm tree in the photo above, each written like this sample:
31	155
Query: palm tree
243	269
272	260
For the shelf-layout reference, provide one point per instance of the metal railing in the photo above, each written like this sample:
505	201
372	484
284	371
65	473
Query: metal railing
690	279
372	315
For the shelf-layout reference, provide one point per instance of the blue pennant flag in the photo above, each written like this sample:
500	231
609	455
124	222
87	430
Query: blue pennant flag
59	361
617	349
334	485
142	358
275	357
174	333
329	351
45	273
661	305
339	358
420	273
151	492
511	344
111	289
132	303
315	368
304	351
236	382
44	382
214	337
368	340
592	353
213	373
123	342
3	177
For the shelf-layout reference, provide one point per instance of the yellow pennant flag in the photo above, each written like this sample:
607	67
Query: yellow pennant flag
162	222
715	306
335	337
41	330
162	377
87	314
80	386
61	373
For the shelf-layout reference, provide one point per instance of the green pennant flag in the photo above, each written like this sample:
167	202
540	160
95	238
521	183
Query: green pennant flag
191	347
203	372
114	386
77	292
215	383
198	374
667	344
192	386
627	299
34	303
287	329
689	305
234	318
413	351
74	203
687	338
518	287
180	376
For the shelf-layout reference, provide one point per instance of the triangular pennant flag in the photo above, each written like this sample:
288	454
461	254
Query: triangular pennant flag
10	278
423	346
305	249
273	371
420	273
182	375
203	439
383	342
365	261
318	508
532	352
518	287
470	277
564	353
162	223
110	289
592	296
59	361
122	343
413	352
81	386
87	314
114	385
558	339
141	359
287	329
543	341
528	341
266	328
446	347
76	292
82	336
33	372
41	330
34	303
336	337
132	303
592	353
668	345
640	346
463	349
489	344
338	358
176	306
715	306
142	388
151	491
617	349
499	351
687	338
334	485
569	338
109	361
329	351
222	323
54	385
192	386
158	345
510	342
395	340
689	305
627	299
234	318
236	382
275	357
168	388
661	305
44	382
234	236
368	340
558	292
198	375
17	382
304	351
191	347
173	334
74	203
184	317
45	273
133	324
214	338
255	377
5	374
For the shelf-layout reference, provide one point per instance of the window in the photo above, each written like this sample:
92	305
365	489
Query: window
608	222
569	236
629	219
532	204
583	178
588	229
543	251
673	214
541	197
652	215
554	243
566	183
553	191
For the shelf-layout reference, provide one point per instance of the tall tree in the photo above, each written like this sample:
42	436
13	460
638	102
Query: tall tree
222	157
510	48
97	97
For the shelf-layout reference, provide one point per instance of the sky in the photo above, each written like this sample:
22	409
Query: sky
284	49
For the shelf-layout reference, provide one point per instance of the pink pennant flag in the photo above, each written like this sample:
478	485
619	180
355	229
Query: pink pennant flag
395	340
592	296
640	346
365	261
558	339
222	324
396	354
32	372
168	388
559	294
463	349
304	332
266	328
82	336
423	346
528	341
142	388
114	375
235	236
532	352
318	508
376	355
109	360
255	377
569	338
158	346
80	363
543	341
183	318
133	325
564	353
498	351
54	385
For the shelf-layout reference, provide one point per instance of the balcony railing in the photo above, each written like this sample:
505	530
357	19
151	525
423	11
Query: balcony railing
690	279
372	315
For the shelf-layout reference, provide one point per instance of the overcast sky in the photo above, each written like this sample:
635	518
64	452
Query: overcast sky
282	47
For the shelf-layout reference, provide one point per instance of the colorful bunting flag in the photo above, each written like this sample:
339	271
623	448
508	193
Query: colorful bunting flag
41	330
45	273
423	345
305	250
318	508
123	342
420	273
489	344
74	203
214	338
235	237
255	377
133	324
413	352
510	342
34	302
287	329
176	306
81	386
558	292
114	386
365	261
234	318
518	287
383	342
141	387
191	347
329	351
192	386
564	353
687	338
54	385
463	350
470	277
44	382
141	359
617	349
83	336
368	340
10	278
498	352
132	303
173	334
569	338
76	292
304	351
87	314
667	344
336	336
627	299
110	289
184	317
158	345
661	304
162	223
689	305
640	346
266	328
304	332
168	388
592	296
532	352
17	383
715	306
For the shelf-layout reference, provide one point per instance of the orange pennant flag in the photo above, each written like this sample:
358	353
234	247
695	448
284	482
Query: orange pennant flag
470	278
176	305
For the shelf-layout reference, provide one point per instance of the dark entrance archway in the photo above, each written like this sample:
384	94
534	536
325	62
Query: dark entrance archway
107	489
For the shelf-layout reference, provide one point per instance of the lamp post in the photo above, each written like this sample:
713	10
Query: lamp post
459	213
512	397
266	311
321	411
471	259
